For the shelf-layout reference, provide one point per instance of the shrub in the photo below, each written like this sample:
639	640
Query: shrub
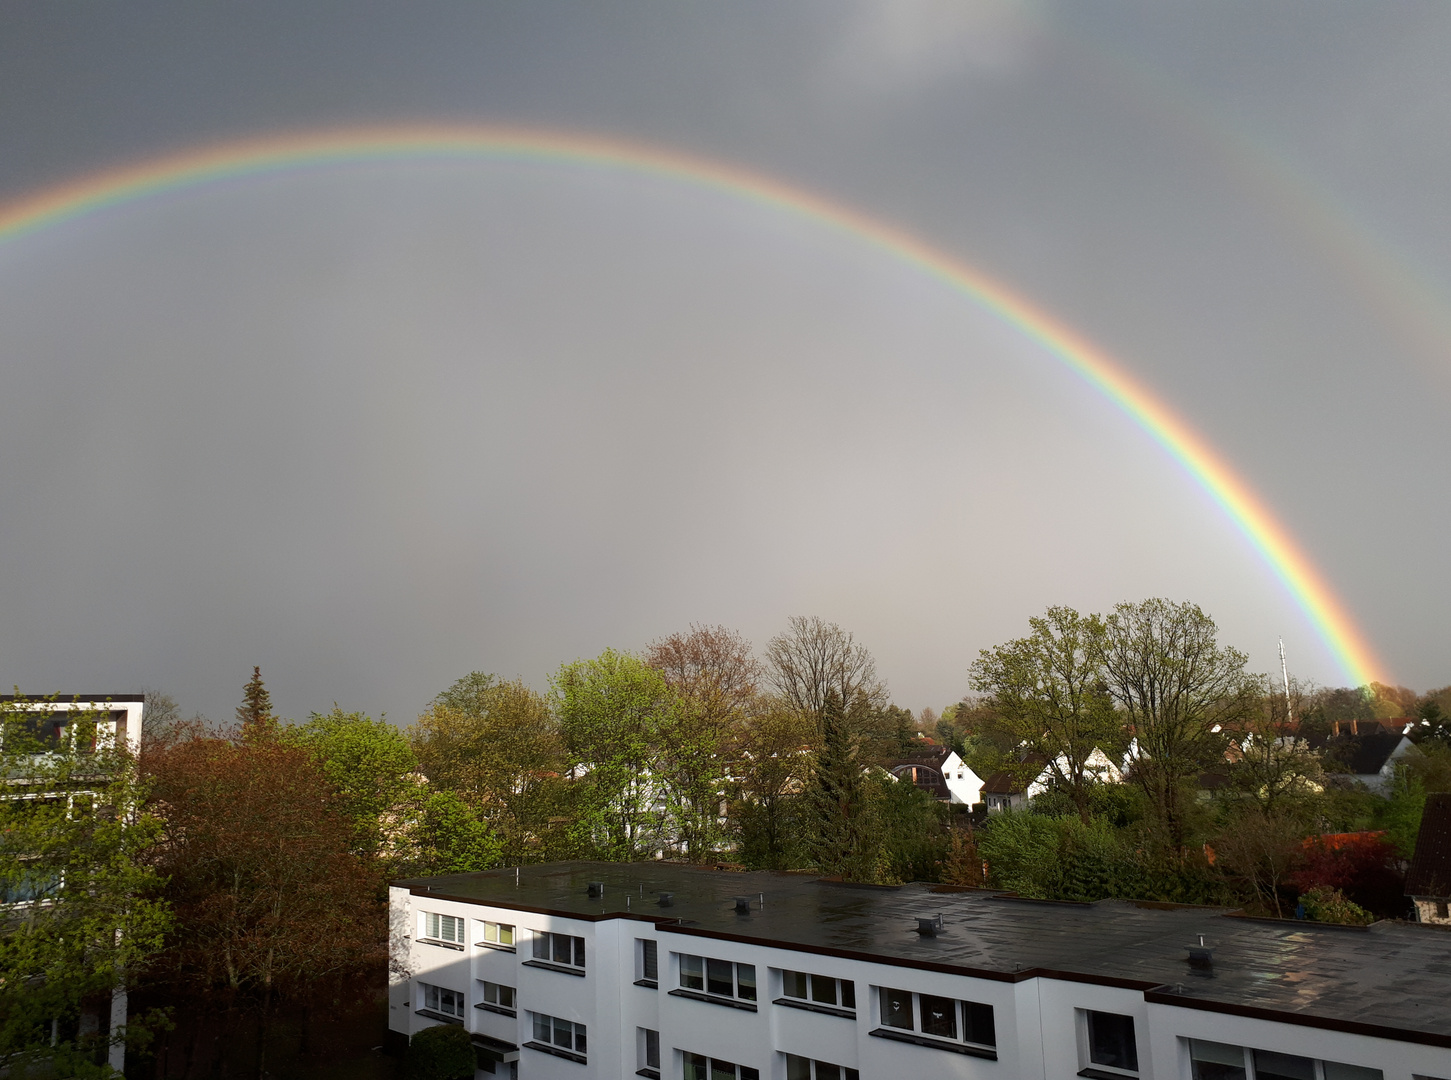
1324	904
441	1053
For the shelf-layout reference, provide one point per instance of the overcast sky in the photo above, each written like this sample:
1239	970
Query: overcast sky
374	427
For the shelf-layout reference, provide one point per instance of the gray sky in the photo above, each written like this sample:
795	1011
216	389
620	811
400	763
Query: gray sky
373	427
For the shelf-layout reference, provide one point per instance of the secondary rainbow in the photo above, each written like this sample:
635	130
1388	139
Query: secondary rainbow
253	157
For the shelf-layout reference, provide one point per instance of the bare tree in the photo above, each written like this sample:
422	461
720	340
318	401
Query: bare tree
1179	690
714	667
814	659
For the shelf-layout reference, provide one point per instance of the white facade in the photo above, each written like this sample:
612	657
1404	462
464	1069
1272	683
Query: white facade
1040	1025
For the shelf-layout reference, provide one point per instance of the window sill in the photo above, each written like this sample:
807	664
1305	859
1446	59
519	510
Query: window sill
441	944
496	1009
986	1053
1093	1073
713	999
648	984
494	945
652	1074
568	1055
812	1006
432	1015
545	965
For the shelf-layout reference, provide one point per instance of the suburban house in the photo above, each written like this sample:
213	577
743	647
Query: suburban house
599	970
1428	883
1368	752
940	771
118	719
1012	791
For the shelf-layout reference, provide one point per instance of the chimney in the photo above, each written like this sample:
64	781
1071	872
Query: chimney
667	899
743	905
1201	956
929	927
596	890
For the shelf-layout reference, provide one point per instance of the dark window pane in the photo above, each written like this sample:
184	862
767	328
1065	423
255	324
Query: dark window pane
722	1070
1272	1066
748	1073
746	981
798	1068
852	1074
542	1032
563	1036
825	1071
848	994
1334	1070
650	960
823	989
652	1047
719	977
541	946
695	1066
897	1008
1111	1041
579	952
692	972
579	1043
939	1016
563	948
1216	1061
793	984
978	1024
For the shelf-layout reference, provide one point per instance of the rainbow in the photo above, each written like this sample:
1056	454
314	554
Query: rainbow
312	149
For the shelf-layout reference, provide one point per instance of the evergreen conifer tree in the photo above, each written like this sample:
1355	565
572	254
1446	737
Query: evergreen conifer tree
842	842
255	713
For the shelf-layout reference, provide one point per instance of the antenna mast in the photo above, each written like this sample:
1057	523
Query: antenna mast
1285	674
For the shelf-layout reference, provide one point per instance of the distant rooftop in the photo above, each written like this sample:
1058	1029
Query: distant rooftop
1430	873
1389	979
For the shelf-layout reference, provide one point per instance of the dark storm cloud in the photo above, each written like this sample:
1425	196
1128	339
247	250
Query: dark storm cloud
374	429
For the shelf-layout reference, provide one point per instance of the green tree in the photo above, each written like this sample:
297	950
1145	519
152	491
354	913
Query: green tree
618	715
1275	765
844	839
778	745
499	748
74	850
370	766
1048	693
1180	691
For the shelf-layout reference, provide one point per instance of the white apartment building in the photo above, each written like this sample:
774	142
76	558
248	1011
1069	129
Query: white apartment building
594	970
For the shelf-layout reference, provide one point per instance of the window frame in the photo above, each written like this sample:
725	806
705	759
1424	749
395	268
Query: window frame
647	963
964	1022
498	1005
814	1066
737	999
647	1053
433	1002
577	1049
435	920
498	928
1250	1067
807	982
1097	1070
708	1065
544	948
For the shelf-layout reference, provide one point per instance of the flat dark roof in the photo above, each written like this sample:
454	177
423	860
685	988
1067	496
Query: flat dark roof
1389	979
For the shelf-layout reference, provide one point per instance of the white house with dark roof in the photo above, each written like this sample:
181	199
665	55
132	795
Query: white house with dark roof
596	970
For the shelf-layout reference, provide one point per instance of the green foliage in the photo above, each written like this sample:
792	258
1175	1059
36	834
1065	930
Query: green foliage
771	835
369	765
1324	904
1400	814
444	1052
255	716
617	713
911	824
73	848
449	838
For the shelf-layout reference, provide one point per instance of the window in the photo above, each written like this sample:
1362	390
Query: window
802	988
1221	1061
711	978
497	998
939	1020
1443	909
647	963
563	1038
699	1067
500	935
1111	1040
442	928
559	949
647	1053
440	1000
800	1068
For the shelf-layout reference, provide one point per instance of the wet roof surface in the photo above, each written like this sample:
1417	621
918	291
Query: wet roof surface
1393	975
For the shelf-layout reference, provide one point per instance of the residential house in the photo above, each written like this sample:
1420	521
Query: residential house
941	772
1365	752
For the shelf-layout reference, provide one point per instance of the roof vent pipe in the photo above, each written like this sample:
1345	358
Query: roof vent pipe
1201	956
743	905
596	890
929	927
667	899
